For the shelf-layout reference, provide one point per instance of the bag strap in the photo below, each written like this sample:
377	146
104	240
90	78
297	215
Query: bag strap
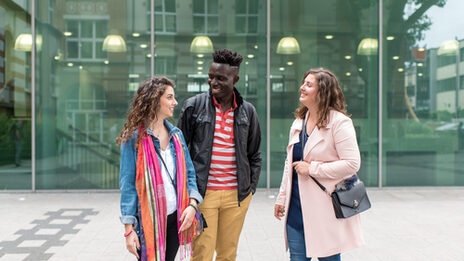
302	156
166	167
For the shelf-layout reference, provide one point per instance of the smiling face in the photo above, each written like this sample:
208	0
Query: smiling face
167	104
221	79
308	91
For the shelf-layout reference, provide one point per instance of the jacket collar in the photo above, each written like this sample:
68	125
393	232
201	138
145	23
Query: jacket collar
316	136
168	125
238	98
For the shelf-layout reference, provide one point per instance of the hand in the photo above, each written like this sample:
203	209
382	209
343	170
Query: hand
187	218
132	243
279	211
301	167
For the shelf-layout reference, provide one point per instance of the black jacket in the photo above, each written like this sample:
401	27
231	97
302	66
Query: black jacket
197	121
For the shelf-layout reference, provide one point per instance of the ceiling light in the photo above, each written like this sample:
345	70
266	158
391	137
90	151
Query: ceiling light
250	56
143	46
201	44
368	46
390	38
281	69
347	57
114	43
329	37
400	70
396	57
288	45
135	34
67	34
290	63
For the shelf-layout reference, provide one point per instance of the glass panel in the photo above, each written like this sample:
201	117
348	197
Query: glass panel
240	24
241	6
101	29
213	24
170	6
198	24
86	29
86	50
170	23
252	24
189	70
212	6
199	6
328	33
15	96
159	5
100	54
159	23
83	99
252	7
423	113
73	28
72	49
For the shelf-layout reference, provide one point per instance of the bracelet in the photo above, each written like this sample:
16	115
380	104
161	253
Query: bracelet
193	206
128	233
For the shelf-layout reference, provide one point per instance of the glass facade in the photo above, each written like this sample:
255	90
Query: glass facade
404	89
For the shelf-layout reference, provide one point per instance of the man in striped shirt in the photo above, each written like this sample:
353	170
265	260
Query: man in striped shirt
223	134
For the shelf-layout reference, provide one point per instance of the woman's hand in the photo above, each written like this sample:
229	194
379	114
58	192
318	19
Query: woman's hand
132	243
279	211
187	218
301	167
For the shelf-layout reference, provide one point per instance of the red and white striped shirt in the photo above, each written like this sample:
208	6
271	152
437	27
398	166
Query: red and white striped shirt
223	169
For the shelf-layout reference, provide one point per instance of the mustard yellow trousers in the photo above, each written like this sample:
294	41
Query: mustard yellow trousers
225	221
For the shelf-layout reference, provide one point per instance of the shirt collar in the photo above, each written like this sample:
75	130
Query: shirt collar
216	103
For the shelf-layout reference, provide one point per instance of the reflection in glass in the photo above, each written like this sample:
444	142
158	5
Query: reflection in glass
325	34
15	95
86	89
423	120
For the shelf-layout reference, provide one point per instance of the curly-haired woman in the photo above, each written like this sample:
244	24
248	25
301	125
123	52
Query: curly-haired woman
323	145
159	195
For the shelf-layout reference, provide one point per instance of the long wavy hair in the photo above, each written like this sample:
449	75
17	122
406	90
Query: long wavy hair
329	96
144	106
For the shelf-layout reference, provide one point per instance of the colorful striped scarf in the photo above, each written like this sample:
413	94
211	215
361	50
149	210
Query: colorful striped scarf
152	201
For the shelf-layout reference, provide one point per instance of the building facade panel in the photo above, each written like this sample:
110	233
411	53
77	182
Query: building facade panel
90	57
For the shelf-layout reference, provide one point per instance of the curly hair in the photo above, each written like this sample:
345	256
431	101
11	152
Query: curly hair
144	106
226	56
329	96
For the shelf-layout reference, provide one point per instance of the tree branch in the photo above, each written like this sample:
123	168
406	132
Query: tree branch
419	12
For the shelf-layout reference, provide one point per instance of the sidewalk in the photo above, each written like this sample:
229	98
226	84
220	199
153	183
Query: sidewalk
404	224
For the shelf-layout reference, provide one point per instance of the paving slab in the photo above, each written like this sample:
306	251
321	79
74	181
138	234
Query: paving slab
403	224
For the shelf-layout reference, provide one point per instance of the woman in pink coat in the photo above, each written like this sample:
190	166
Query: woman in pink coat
323	145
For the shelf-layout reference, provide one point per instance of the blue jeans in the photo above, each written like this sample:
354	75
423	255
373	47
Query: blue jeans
296	244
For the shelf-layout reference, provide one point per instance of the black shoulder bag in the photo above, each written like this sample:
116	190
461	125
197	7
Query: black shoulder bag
349	197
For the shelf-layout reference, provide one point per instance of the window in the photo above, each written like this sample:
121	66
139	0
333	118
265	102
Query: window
246	17
86	40
205	17
165	16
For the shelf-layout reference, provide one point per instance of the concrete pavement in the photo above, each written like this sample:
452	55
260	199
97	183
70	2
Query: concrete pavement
403	224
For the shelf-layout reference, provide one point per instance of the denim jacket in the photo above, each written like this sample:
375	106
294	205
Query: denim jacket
127	174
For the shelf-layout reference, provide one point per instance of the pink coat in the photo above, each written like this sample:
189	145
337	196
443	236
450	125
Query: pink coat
333	154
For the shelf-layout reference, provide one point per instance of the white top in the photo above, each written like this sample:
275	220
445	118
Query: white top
171	197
